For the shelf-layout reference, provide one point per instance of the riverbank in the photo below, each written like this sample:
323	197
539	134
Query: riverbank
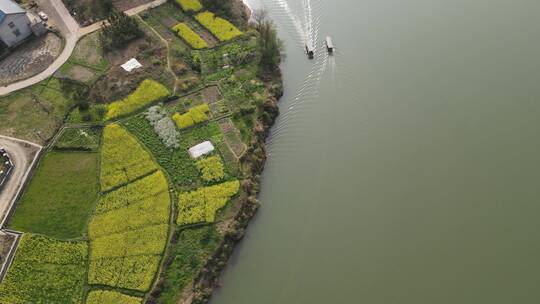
255	160
246	206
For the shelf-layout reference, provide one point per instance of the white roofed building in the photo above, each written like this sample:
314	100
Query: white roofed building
201	149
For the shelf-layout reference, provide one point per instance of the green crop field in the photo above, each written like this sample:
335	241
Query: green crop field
189	254
177	162
123	159
45	271
117	211
85	139
60	197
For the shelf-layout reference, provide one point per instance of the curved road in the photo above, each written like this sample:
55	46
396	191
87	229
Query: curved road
62	20
23	155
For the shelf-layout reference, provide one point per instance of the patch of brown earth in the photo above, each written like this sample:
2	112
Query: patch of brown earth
30	58
118	83
81	74
124	5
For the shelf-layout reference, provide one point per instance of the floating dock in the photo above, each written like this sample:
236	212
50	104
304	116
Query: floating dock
329	45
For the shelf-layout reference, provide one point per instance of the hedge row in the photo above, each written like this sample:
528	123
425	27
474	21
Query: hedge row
192	117
148	92
202	204
189	36
219	27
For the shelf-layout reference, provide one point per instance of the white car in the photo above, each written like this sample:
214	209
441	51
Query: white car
43	16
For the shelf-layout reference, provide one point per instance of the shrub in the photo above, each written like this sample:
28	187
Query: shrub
119	30
201	205
163	126
123	159
190	5
111	297
219	27
189	36
211	168
149	91
45	271
193	116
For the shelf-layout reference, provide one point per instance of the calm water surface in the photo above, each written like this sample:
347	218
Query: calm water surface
405	168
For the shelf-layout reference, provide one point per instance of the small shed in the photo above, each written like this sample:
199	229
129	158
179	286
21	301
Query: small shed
201	149
131	65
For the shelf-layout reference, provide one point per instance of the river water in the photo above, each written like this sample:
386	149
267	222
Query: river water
406	167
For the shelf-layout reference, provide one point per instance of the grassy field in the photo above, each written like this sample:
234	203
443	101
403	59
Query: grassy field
79	139
36	113
87	62
61	196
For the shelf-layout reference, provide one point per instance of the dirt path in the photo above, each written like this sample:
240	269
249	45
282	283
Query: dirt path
167	45
23	154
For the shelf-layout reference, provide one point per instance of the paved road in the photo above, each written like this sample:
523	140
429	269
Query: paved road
23	154
62	20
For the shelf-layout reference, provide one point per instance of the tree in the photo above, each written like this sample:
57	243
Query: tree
119	30
271	45
219	7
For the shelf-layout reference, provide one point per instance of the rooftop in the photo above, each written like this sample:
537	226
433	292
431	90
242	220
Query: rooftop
8	7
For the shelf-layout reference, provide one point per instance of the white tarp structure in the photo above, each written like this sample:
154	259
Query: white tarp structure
201	149
131	65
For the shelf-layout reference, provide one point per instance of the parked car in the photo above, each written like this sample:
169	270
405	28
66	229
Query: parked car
43	16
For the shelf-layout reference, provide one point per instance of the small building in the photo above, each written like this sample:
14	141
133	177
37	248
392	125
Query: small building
16	25
201	149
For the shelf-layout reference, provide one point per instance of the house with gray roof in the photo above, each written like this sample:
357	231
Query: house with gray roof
15	23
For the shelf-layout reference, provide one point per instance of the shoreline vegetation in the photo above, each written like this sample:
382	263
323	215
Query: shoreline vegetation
157	226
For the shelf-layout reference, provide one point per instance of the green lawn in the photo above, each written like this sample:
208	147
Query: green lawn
60	197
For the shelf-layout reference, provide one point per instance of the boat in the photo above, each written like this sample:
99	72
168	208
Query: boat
329	45
310	50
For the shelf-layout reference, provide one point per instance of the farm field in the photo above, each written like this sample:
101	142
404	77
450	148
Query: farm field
36	113
189	253
46	271
117	211
87	61
60	197
123	159
79	139
190	37
219	27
